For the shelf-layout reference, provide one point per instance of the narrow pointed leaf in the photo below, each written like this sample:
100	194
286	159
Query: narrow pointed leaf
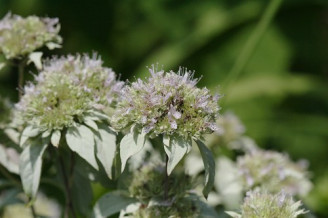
28	132
55	138
111	203
91	123
35	57
81	140
178	147
106	148
30	165
130	144
209	165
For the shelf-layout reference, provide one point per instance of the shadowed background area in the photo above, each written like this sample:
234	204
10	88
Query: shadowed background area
280	95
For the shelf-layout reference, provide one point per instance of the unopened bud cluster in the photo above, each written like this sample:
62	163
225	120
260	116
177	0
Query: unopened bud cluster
273	171
147	186
21	36
168	103
66	90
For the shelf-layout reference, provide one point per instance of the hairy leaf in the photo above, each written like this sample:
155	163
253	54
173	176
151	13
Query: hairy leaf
177	148
131	144
111	203
28	132
106	148
80	139
55	138
30	165
209	165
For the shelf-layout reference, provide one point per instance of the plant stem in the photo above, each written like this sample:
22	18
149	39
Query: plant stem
250	46
21	67
33	209
69	208
166	179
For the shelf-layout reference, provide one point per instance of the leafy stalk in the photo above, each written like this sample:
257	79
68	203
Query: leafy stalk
166	178
68	180
250	46
21	69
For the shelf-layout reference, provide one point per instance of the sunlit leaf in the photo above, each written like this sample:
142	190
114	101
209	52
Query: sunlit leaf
106	148
30	165
80	139
55	138
177	148
131	144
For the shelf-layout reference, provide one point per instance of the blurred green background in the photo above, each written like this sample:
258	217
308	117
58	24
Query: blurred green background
281	95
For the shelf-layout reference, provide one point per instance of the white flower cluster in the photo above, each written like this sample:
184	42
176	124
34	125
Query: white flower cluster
273	171
21	36
168	103
264	205
66	90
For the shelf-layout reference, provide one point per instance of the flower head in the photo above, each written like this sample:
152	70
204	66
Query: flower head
21	36
273	171
264	205
67	90
168	103
147	187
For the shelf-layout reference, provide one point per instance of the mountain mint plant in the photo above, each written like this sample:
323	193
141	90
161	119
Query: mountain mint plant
167	104
264	205
69	119
71	98
21	36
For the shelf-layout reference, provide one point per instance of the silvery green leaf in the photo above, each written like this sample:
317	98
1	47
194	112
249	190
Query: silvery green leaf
55	138
106	148
80	139
131	144
30	164
46	134
35	57
166	140
90	123
52	45
111	203
209	165
178	147
233	214
98	115
9	159
28	132
12	135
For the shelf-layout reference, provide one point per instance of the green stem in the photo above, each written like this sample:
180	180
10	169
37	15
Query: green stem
69	208
33	209
252	42
166	179
21	67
